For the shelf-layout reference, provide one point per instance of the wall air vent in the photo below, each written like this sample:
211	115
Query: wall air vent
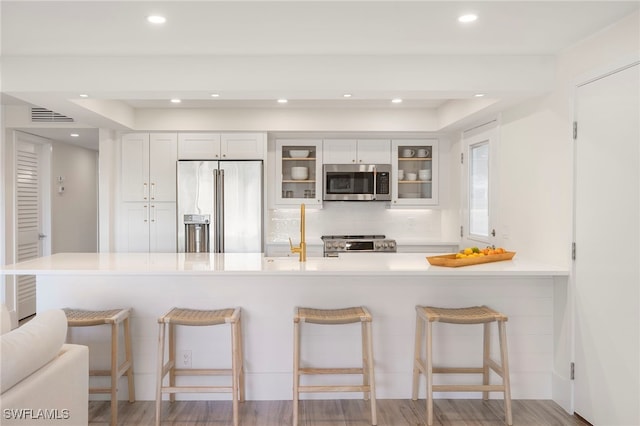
43	115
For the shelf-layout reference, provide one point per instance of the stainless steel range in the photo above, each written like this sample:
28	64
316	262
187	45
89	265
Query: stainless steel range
336	244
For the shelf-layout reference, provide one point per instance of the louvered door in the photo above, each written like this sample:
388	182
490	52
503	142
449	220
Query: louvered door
28	221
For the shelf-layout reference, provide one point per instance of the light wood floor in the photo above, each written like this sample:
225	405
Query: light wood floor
352	412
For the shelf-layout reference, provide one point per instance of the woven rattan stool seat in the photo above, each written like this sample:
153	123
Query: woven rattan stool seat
332	316
195	317
470	315
84	318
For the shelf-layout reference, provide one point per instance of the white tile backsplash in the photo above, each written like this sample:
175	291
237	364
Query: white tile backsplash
407	226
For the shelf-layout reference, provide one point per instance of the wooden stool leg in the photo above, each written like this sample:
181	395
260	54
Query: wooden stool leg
129	360
429	372
505	372
240	362
296	370
114	373
159	370
234	372
372	382
365	359
172	360
486	354
417	357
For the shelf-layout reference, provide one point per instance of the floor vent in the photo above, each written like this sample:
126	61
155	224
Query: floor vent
43	115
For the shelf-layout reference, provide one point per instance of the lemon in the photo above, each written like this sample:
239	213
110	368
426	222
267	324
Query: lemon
468	251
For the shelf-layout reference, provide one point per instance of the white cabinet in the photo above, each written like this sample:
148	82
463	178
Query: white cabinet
148	208
415	172
199	146
298	156
221	146
243	146
149	167
148	227
351	151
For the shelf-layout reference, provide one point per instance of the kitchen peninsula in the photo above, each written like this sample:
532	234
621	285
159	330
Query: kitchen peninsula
533	295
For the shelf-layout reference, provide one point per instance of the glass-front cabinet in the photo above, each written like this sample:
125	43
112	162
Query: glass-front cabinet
415	172
298	172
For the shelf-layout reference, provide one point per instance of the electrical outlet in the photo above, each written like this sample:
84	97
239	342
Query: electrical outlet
184	359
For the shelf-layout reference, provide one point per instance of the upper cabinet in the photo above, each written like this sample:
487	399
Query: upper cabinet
298	172
352	151
221	146
149	166
415	172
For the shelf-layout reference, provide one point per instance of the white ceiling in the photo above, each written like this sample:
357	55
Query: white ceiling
301	27
204	28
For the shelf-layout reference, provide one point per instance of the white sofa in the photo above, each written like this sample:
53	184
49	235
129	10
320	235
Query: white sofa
43	381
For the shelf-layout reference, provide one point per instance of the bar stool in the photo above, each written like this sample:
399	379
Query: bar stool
471	315
113	317
193	317
334	317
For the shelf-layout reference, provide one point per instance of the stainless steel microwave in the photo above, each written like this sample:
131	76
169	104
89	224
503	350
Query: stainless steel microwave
356	182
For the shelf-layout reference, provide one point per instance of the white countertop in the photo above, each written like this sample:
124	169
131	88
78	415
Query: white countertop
357	264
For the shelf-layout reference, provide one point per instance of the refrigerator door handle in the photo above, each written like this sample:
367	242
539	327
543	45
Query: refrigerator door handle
214	228
220	212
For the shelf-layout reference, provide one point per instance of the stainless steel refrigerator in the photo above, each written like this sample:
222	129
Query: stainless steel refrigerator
220	206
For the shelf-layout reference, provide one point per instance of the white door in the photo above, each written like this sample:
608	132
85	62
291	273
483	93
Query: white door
31	181
607	271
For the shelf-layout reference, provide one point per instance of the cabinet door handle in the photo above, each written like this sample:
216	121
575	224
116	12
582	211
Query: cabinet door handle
153	211
144	191
146	213
153	190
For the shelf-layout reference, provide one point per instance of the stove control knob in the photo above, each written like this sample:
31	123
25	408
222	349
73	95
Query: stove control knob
378	244
386	245
392	244
342	245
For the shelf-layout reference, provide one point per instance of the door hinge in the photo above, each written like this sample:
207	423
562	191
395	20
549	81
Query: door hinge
462	158
573	371
573	251
575	130
461	231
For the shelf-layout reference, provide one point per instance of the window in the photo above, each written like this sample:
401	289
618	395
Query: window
479	177
479	189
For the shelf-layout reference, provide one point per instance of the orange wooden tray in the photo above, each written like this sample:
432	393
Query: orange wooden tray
450	260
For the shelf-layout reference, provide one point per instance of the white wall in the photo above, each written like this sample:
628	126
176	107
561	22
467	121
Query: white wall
536	170
536	165
74	212
108	188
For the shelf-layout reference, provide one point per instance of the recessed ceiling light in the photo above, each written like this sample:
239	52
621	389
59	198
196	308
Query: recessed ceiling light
347	95
479	95
396	100
175	101
215	95
156	19
83	95
467	18
74	135
282	101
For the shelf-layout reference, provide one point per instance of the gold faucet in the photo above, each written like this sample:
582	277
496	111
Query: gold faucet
302	248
